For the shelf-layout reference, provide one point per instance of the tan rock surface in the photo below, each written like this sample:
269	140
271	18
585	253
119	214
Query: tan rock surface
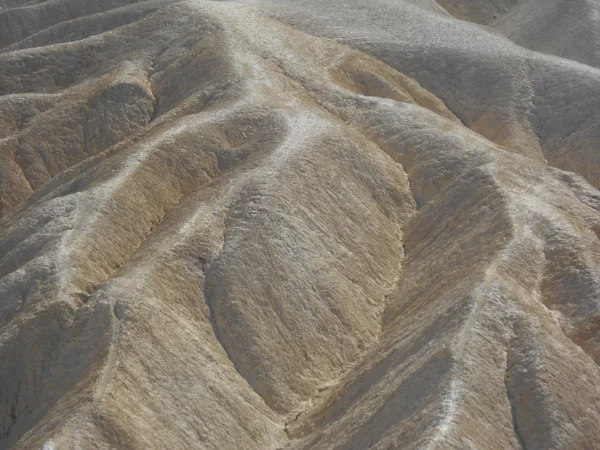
294	224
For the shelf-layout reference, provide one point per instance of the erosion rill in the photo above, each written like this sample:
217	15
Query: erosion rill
300	224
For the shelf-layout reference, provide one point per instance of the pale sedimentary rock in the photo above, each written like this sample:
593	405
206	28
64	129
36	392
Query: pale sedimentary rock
303	224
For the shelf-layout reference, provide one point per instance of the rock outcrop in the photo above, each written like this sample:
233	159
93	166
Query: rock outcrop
298	224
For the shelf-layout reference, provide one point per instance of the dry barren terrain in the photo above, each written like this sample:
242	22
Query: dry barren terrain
300	224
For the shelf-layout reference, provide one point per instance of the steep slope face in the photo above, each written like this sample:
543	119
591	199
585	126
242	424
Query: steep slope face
223	229
484	12
563	28
513	97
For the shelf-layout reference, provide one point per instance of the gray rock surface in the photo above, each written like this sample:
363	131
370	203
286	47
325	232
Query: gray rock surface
563	28
298	224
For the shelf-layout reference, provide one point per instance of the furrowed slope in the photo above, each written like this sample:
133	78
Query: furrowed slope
224	229
566	29
483	12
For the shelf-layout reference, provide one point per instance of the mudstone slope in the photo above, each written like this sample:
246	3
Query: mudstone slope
299	224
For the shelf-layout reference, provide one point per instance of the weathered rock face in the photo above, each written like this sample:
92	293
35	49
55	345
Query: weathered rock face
557	27
297	224
484	11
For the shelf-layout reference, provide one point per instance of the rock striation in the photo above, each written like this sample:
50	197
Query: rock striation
299	224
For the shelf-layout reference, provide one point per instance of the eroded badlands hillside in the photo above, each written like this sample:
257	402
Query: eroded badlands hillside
299	224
